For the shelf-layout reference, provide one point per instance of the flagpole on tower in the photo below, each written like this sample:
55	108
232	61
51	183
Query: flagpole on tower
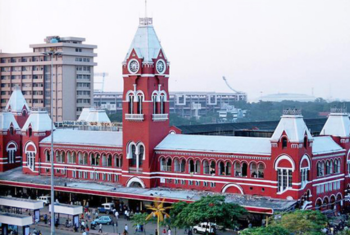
145	8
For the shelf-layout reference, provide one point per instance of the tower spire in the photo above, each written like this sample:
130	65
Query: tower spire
145	8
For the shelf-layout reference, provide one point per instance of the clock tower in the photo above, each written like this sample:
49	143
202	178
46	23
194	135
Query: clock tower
145	106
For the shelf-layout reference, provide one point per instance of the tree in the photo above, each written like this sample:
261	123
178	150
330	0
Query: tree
159	211
302	222
210	209
272	230
140	219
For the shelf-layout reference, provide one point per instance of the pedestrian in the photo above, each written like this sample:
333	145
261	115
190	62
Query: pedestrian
45	218
169	231
156	232
116	214
100	228
164	231
126	228
190	231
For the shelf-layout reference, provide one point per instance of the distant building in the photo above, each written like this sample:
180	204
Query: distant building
185	104
287	96
72	71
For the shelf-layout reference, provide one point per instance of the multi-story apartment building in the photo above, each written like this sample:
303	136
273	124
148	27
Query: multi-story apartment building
72	76
185	104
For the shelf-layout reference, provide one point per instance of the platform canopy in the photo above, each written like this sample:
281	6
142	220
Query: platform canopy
67	209
21	203
15	219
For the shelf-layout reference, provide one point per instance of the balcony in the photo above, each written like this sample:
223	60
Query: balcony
160	117
134	170
134	117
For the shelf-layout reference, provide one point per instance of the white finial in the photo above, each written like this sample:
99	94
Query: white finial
145	8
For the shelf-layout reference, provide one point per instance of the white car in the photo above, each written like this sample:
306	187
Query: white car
205	227
45	199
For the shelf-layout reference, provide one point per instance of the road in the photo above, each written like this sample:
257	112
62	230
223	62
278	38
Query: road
108	229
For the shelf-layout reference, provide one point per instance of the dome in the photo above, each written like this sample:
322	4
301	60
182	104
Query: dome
53	40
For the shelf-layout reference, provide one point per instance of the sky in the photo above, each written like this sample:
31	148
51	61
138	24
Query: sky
261	46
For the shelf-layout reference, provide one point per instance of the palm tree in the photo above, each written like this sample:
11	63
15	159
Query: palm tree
158	210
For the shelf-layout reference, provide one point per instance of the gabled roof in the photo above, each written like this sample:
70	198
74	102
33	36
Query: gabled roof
94	115
16	101
337	124
145	43
6	118
325	144
39	121
216	144
294	127
90	138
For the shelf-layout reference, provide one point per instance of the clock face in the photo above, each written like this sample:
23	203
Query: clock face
133	66
160	66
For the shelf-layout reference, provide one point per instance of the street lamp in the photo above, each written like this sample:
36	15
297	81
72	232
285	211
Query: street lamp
51	53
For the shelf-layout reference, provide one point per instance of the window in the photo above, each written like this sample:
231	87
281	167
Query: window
284	179
238	170
320	169
198	183
284	142
253	170
162	103
244	169
212	167
155	108
139	105
337	166
176	181
305	142
304	176
205	184
47	156
80	173
74	174
190	182
183	182
116	178
212	184
131	104
261	169
221	168
205	167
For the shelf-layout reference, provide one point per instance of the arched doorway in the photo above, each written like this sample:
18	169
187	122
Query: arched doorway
135	182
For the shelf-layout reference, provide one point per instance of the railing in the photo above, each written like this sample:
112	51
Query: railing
134	170
159	117
291	112
134	117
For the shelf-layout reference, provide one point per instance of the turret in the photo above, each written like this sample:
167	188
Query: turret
18	106
145	106
36	128
10	142
337	126
291	152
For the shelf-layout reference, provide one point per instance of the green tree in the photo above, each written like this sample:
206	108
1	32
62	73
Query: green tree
140	219
272	230
210	209
302	222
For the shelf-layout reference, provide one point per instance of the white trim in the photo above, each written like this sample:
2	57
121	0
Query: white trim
308	161
284	157
135	180
232	185
128	66
329	177
323	183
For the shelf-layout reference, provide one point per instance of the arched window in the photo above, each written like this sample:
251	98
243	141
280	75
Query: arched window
228	168
131	104
328	167
57	156
11	152
176	165
63	157
104	160
11	130
197	167
253	170
109	160
162	164
162	103
139	105
284	177
337	166
244	169
212	168
155	106
221	166
205	167
141	154
48	156
305	142
261	169
318	204
168	165
284	142
30	131
85	159
238	170
191	166
182	166
74	158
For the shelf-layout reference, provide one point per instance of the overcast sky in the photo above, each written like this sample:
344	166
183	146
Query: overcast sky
261	46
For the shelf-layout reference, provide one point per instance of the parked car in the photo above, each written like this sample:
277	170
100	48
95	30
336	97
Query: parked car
45	199
106	208
101	220
205	227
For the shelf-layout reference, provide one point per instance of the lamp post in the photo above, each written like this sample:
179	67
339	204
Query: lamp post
51	53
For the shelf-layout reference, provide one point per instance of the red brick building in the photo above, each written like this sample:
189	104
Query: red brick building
148	153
